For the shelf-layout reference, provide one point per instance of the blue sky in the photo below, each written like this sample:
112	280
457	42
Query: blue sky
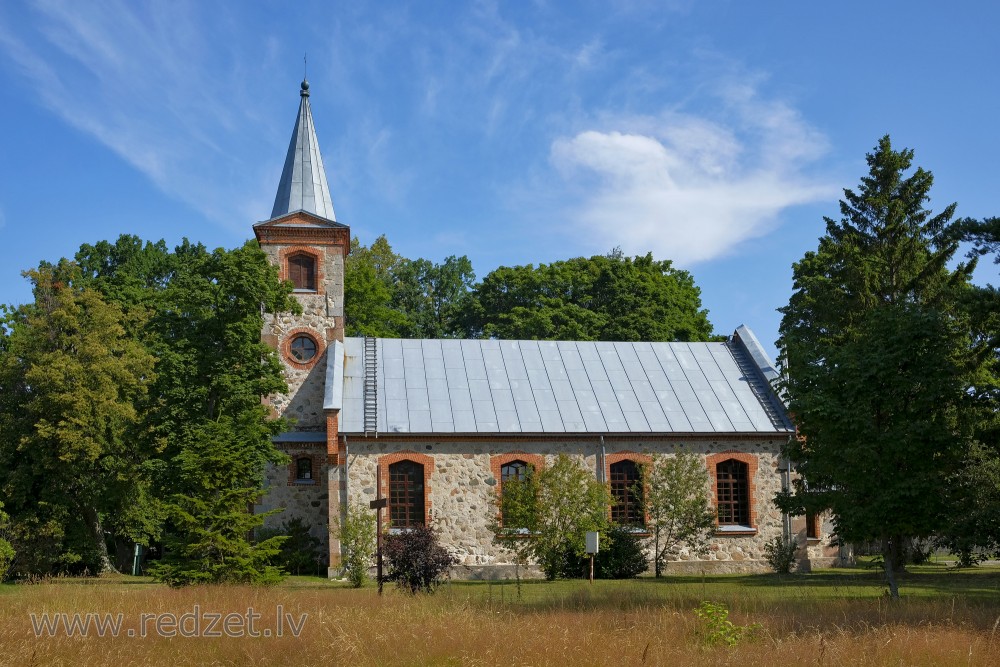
716	134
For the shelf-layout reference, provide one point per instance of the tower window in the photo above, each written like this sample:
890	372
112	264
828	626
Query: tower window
303	348
303	469
302	272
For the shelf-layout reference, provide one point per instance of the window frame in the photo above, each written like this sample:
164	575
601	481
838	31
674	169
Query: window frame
634	506
751	462
312	279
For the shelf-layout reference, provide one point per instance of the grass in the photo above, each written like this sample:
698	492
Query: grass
831	617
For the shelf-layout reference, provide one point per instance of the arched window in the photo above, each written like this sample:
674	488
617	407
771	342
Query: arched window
302	271
627	494
513	470
733	493
406	494
303	469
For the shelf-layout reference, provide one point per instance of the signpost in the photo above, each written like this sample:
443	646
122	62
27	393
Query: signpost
377	505
593	537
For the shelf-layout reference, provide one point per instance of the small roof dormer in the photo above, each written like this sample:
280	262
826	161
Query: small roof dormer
303	185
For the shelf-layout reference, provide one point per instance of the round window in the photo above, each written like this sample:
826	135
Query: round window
303	348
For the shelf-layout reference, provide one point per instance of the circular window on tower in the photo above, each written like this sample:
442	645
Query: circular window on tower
302	348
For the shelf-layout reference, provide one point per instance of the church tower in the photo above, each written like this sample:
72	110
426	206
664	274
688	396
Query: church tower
303	238
307	244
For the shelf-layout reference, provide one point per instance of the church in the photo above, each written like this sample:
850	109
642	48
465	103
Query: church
436	426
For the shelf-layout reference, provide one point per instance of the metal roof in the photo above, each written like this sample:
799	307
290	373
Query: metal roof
526	386
303	185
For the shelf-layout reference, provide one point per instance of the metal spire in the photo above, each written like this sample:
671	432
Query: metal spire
303	185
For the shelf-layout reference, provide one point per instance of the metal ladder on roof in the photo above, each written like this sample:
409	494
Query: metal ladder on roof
371	387
758	384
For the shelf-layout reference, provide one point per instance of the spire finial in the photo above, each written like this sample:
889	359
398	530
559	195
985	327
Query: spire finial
304	91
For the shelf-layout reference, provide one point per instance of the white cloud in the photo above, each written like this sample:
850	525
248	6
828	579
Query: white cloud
686	187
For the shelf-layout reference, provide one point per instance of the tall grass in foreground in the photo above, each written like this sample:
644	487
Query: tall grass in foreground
569	624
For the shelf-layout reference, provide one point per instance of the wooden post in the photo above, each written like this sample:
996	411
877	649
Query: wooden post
377	505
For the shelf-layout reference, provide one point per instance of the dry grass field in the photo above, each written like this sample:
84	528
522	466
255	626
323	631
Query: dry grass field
826	618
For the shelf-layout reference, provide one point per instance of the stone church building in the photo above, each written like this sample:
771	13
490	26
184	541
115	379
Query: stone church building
435	426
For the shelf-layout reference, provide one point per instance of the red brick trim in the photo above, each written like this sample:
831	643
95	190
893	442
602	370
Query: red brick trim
537	461
317	256
641	460
333	444
286	348
712	460
315	463
407	455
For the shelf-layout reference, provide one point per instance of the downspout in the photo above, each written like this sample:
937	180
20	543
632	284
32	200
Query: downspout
347	473
603	476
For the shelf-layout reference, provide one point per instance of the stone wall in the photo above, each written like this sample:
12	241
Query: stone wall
461	484
322	318
307	501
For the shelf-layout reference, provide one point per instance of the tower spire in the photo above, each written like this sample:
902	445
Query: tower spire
303	185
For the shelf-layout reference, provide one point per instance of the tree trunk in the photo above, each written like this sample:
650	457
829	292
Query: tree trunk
890	549
104	564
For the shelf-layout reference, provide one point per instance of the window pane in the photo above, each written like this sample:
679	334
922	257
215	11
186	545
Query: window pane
733	492
303	348
303	468
302	272
626	490
406	494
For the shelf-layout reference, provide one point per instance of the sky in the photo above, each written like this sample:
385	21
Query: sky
714	133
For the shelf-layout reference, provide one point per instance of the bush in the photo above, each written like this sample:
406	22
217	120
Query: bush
300	553
416	560
357	541
6	558
718	629
780	554
625	555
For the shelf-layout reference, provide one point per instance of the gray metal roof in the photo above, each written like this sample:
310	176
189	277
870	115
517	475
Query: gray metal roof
303	185
527	386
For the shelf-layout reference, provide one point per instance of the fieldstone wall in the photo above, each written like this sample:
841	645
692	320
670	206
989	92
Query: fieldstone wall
322	318
461	485
307	501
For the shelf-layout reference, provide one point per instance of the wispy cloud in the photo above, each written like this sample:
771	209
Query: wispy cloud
690	187
136	80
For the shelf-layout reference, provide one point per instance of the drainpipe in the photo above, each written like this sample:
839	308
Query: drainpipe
604	458
347	473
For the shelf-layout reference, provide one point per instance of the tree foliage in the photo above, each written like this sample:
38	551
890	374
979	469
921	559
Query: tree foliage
605	297
70	431
358	541
135	412
878	362
676	505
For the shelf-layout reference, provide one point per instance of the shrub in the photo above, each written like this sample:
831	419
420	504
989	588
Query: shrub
6	550
416	560
717	627
298	554
625	555
780	554
357	536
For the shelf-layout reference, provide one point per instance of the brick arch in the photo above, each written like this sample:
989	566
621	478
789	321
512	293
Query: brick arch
500	460
286	348
640	460
712	460
317	256
407	455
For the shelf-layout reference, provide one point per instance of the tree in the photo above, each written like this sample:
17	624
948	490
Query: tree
609	297
877	363
515	518
211	434
676	505
388	295
70	433
359	540
571	503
